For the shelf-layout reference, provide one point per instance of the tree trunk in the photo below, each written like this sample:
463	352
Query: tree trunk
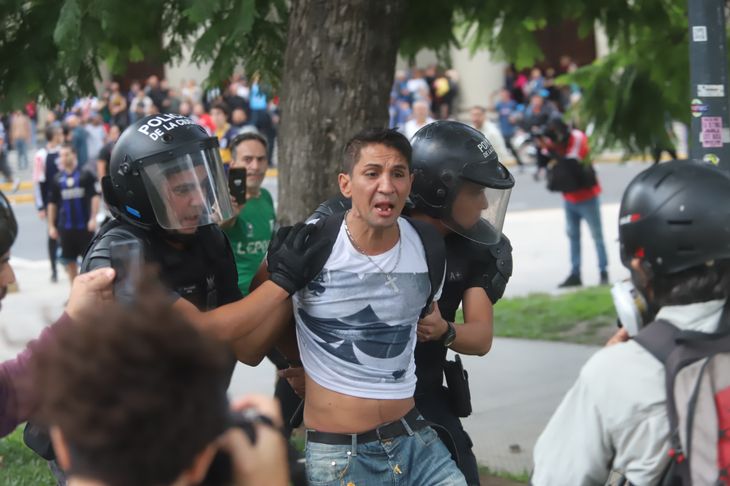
338	72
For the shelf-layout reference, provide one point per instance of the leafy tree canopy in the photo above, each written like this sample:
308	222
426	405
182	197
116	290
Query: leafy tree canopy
52	49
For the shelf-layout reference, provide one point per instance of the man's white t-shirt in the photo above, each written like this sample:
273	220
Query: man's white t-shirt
356	330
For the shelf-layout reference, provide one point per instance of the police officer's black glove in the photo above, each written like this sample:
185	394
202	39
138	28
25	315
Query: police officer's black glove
294	258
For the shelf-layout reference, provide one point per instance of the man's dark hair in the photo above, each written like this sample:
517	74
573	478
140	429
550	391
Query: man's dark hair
51	131
385	136
69	146
245	136
696	284
137	392
220	106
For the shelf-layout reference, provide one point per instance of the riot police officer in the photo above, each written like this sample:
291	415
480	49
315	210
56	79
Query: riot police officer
461	188
167	189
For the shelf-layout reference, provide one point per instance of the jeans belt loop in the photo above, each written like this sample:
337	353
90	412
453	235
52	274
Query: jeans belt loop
406	426
354	444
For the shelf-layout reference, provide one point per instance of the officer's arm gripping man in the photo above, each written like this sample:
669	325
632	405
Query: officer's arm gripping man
267	308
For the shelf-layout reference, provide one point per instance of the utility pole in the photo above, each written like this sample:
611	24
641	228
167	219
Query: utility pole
709	136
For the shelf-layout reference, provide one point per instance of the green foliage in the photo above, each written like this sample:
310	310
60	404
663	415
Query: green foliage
19	466
52	49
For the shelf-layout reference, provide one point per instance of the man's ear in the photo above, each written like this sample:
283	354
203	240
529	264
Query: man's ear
60	448
345	182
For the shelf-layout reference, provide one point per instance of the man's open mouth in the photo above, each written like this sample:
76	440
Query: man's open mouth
384	209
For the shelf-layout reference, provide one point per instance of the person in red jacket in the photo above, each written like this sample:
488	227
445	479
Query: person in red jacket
576	179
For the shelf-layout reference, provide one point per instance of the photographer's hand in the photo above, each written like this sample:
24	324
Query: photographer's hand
89	290
265	462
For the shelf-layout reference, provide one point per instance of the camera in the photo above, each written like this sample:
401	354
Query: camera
220	472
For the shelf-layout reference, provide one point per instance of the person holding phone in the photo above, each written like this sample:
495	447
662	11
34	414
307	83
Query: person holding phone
251	228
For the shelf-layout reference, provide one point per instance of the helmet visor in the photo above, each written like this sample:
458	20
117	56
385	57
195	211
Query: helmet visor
470	219
189	190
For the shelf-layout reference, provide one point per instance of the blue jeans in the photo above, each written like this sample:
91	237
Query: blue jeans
589	210
420	459
21	147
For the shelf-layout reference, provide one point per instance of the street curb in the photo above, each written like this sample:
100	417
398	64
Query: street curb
8	186
20	198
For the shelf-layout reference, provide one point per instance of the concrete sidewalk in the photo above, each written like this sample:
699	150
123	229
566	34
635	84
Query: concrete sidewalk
515	387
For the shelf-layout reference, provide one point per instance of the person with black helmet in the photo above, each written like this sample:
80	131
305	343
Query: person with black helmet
86	292
167	189
461	188
675	241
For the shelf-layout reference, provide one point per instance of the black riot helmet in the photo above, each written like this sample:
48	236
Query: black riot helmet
446	154
675	216
166	172
8	225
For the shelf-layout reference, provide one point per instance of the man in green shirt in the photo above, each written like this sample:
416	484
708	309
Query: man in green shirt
251	229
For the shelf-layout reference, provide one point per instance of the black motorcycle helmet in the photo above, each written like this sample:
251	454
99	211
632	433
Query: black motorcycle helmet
153	154
447	153
676	216
8	225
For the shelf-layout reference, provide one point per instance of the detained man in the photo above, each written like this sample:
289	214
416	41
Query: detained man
356	329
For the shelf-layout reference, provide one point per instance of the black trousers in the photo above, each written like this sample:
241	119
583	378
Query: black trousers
434	406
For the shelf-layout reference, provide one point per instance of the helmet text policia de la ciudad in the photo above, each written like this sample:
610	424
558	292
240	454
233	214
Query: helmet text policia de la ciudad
166	172
445	155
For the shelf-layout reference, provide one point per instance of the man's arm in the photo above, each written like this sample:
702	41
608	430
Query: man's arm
91	225
52	214
16	400
289	263
575	447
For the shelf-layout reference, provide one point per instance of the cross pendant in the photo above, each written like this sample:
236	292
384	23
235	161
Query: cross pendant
390	282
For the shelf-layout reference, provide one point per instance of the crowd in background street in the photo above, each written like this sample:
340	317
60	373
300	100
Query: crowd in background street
512	118
90	123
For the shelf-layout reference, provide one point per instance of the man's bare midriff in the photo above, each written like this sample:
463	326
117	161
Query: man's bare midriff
328	411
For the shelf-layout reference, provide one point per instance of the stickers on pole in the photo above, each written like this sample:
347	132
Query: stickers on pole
698	108
699	33
711	159
711	134
710	90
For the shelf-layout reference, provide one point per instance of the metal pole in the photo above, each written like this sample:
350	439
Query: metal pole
709	137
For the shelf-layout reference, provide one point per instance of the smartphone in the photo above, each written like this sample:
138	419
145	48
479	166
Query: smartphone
127	261
237	184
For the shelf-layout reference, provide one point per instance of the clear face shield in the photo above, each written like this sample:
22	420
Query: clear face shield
188	191
477	212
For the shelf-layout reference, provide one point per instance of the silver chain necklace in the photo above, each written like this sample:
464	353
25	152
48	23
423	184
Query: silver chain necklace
389	278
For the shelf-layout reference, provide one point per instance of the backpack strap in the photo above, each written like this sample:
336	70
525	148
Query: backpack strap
659	338
433	245
329	227
435	248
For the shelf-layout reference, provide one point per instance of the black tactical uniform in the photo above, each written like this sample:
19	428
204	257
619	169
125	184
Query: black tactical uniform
447	154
